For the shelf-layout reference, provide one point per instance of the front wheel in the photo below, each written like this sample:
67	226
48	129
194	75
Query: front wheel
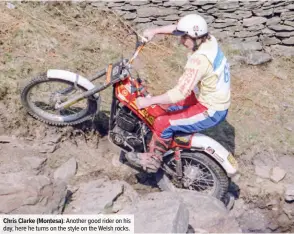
40	96
200	173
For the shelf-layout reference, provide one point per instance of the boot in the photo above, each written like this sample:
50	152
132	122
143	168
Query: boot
151	160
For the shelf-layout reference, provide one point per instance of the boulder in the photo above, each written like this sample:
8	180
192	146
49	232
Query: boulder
223	25
242	34
208	6
209	19
116	4
277	174
128	7
243	14
268	32
288	209
202	3
66	171
280	27
290	7
284	34
263	171
270	41
290	23
289	193
280	10
273	21
256	27
34	163
130	16
101	196
234	5
281	50
251	39
100	5
288	15
26	193
249	5
171	17
205	212
289	41
178	3
261	12
161	22
219	20
223	15
188	8
238	28
142	20
257	58
154	11
286	162
254	21
150	214
284	221
253	221
138	3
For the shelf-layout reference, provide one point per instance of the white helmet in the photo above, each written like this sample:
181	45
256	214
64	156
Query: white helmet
193	25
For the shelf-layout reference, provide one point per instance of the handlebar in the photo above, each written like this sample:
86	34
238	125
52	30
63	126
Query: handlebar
139	46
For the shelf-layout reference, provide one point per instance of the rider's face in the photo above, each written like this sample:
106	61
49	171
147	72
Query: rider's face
187	42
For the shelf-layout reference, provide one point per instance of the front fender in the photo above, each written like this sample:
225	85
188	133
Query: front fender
72	77
216	151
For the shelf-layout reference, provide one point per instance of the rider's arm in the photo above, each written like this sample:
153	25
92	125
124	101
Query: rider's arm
195	69
151	32
168	29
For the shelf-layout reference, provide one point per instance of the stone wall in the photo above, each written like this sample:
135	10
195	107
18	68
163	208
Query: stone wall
252	25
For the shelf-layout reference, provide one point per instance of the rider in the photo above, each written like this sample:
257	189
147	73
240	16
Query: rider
200	99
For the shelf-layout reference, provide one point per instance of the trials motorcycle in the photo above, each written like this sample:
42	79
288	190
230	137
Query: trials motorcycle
194	162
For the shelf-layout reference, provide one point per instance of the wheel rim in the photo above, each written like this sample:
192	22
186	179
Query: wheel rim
43	96
197	176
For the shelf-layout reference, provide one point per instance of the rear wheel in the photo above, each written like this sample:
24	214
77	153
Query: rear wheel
40	96
200	173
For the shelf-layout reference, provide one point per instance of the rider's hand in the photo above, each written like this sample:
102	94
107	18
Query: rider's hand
143	102
149	34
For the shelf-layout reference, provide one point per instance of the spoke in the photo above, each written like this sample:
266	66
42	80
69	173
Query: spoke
205	180
199	186
173	163
44	95
205	176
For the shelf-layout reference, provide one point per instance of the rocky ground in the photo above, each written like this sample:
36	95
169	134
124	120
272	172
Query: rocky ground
41	166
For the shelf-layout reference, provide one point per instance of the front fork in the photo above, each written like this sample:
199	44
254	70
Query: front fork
178	174
178	159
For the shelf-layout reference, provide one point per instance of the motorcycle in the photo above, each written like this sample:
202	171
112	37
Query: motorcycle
194	162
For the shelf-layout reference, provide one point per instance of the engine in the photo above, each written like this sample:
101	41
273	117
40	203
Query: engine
127	132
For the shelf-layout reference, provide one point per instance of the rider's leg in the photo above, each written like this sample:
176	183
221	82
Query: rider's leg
193	119
159	145
151	160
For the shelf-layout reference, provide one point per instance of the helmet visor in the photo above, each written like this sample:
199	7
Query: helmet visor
179	33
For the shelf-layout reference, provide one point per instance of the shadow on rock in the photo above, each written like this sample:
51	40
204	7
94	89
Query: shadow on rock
100	124
224	133
234	189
